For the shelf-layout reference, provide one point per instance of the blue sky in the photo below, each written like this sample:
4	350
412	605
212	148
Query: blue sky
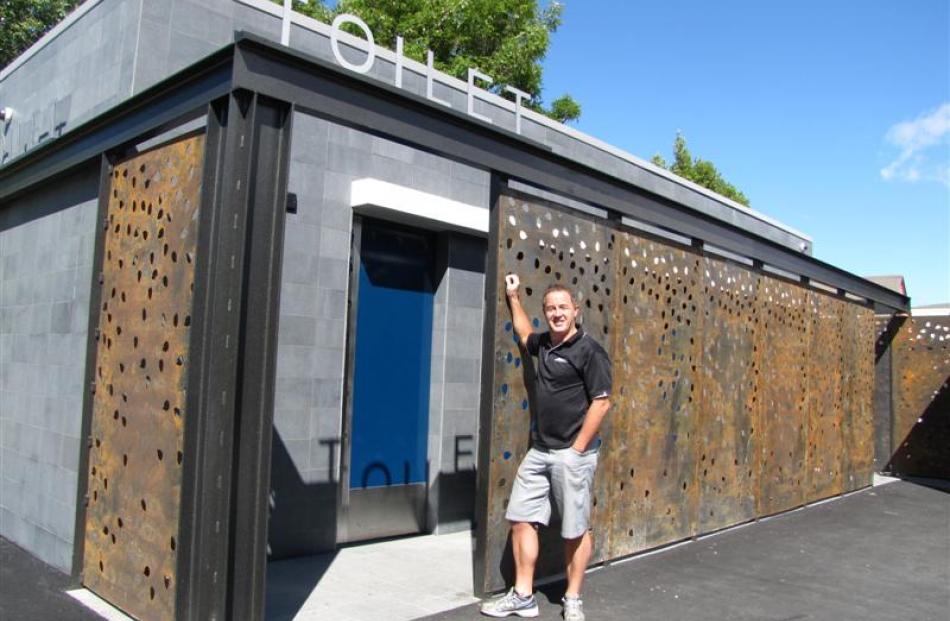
806	106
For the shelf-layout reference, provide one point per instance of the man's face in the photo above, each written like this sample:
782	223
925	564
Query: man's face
560	312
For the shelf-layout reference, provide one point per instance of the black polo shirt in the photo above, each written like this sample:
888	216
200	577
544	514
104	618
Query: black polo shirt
569	377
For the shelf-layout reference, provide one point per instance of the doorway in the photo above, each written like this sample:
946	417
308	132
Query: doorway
385	467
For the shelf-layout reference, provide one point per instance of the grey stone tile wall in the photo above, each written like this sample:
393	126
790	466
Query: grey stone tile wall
87	69
121	47
456	381
325	159
46	255
117	49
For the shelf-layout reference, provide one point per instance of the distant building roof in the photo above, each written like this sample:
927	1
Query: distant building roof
931	310
893	282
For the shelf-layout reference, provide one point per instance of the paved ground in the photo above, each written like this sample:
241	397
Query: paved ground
390	580
880	554
30	589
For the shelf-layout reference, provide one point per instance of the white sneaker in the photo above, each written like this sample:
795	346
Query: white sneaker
573	609
511	604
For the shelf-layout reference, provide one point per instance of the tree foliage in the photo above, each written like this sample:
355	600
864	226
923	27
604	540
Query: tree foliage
22	22
700	171
506	39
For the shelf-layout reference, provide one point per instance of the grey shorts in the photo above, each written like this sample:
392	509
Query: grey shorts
566	475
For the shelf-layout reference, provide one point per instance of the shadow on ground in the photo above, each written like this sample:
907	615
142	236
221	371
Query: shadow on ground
877	555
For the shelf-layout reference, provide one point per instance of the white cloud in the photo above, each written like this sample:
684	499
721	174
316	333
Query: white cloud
924	145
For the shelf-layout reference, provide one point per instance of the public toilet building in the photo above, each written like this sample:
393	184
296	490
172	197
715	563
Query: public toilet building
250	269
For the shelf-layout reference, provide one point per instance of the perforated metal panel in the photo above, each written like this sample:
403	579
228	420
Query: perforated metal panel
735	395
543	245
825	399
921	397
726	470
136	452
857	388
781	365
657	353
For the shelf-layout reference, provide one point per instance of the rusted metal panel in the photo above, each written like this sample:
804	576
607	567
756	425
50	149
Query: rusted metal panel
135	456
736	394
658	345
780	363
857	416
543	245
824	441
921	398
725	471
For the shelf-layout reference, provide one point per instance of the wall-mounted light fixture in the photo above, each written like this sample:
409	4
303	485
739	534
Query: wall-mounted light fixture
6	114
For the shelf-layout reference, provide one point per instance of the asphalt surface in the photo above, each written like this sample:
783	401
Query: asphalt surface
31	589
879	554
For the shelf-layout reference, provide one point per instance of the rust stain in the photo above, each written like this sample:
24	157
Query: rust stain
921	398
736	394
857	418
657	353
543	245
726	475
825	397
781	366
135	460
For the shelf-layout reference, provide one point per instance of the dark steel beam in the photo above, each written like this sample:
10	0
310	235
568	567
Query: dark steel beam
486	400
257	356
213	386
354	100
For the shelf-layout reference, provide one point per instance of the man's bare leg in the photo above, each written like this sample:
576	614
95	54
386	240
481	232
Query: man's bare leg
577	553
524	545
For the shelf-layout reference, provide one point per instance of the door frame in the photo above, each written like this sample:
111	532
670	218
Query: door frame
349	366
344	495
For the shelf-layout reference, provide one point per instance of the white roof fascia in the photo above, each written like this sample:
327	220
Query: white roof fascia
375	193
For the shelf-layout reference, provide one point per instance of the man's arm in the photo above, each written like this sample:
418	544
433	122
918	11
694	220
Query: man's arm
519	318
595	416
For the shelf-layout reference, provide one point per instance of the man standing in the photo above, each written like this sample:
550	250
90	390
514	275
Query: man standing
571	399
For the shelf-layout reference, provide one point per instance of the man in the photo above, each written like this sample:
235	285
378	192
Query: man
571	399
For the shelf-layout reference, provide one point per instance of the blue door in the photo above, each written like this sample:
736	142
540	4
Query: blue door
391	369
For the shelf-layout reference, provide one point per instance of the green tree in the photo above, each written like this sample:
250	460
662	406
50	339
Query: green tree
506	39
22	22
700	171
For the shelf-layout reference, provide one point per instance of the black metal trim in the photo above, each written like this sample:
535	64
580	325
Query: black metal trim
213	366
352	100
257	356
92	341
487	396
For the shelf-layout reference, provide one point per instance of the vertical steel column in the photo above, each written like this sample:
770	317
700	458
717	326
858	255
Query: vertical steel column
258	356
486	407
224	492
209	438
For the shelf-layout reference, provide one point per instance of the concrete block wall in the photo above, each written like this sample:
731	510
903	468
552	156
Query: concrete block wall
325	159
47	241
